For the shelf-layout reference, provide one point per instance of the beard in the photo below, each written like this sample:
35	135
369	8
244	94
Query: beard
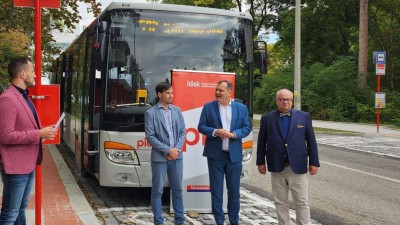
29	83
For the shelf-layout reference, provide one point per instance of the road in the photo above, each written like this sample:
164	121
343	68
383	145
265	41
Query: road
352	187
358	183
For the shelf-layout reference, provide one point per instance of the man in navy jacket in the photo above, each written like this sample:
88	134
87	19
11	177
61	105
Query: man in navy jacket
287	145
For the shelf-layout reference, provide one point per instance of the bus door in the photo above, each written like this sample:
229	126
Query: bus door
91	116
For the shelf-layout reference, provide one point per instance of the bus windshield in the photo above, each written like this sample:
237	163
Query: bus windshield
145	45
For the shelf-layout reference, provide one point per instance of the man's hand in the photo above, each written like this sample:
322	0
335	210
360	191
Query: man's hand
313	170
262	169
48	132
223	133
173	153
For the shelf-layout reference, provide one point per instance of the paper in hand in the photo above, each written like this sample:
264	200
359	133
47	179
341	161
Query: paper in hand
59	120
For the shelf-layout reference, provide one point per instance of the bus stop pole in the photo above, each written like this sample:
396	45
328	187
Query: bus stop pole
378	110
38	87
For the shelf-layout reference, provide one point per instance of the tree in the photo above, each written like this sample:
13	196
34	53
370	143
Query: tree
12	44
16	27
260	12
63	19
384	32
363	45
328	29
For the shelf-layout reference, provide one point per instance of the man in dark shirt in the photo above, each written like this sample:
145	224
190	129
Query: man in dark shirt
21	139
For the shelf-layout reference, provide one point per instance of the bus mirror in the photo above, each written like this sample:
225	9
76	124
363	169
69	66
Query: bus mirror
260	46
263	61
99	40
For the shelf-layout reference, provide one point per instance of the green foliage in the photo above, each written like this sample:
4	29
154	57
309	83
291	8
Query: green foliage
265	95
329	93
330	29
391	113
384	32
12	44
326	26
63	19
17	30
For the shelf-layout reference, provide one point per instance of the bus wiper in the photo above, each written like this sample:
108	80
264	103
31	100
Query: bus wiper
230	52
130	125
131	104
169	49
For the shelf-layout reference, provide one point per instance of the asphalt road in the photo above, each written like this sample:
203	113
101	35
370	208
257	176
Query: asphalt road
352	187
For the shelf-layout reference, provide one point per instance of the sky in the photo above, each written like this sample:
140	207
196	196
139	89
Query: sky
87	18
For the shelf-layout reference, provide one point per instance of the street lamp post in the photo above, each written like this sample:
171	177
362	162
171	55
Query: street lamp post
297	57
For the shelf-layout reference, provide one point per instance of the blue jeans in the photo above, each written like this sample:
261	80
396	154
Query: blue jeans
173	169
16	192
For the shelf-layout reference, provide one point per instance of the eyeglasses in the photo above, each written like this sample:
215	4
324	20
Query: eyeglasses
285	99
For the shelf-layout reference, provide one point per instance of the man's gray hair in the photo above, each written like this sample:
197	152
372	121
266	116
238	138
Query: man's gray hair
228	83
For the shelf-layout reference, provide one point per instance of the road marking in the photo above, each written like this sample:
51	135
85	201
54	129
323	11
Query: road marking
363	172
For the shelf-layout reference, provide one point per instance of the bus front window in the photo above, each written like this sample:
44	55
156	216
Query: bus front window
144	46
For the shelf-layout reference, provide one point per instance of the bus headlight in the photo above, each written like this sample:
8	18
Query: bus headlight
121	153
247	150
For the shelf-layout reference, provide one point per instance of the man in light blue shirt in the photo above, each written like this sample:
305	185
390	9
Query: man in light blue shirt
165	131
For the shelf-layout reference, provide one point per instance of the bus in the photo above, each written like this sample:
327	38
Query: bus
108	74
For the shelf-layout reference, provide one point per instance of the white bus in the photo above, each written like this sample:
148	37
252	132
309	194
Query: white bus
108	75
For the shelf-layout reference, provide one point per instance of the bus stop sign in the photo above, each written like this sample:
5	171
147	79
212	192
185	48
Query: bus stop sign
379	57
42	3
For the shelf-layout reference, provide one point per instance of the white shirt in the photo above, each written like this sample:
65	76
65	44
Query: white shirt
226	118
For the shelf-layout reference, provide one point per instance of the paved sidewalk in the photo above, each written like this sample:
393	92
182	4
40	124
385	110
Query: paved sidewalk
63	203
368	129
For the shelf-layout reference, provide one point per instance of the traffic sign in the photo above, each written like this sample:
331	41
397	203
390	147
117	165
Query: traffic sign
380	57
380	69
380	100
43	3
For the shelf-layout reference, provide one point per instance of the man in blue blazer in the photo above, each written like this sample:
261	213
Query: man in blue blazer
225	123
287	142
165	131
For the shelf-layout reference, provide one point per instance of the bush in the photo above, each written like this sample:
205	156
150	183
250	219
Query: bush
329	93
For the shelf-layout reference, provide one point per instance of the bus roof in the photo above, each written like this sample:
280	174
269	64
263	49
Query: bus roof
176	8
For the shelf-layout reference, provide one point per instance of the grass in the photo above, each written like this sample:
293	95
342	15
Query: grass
256	123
